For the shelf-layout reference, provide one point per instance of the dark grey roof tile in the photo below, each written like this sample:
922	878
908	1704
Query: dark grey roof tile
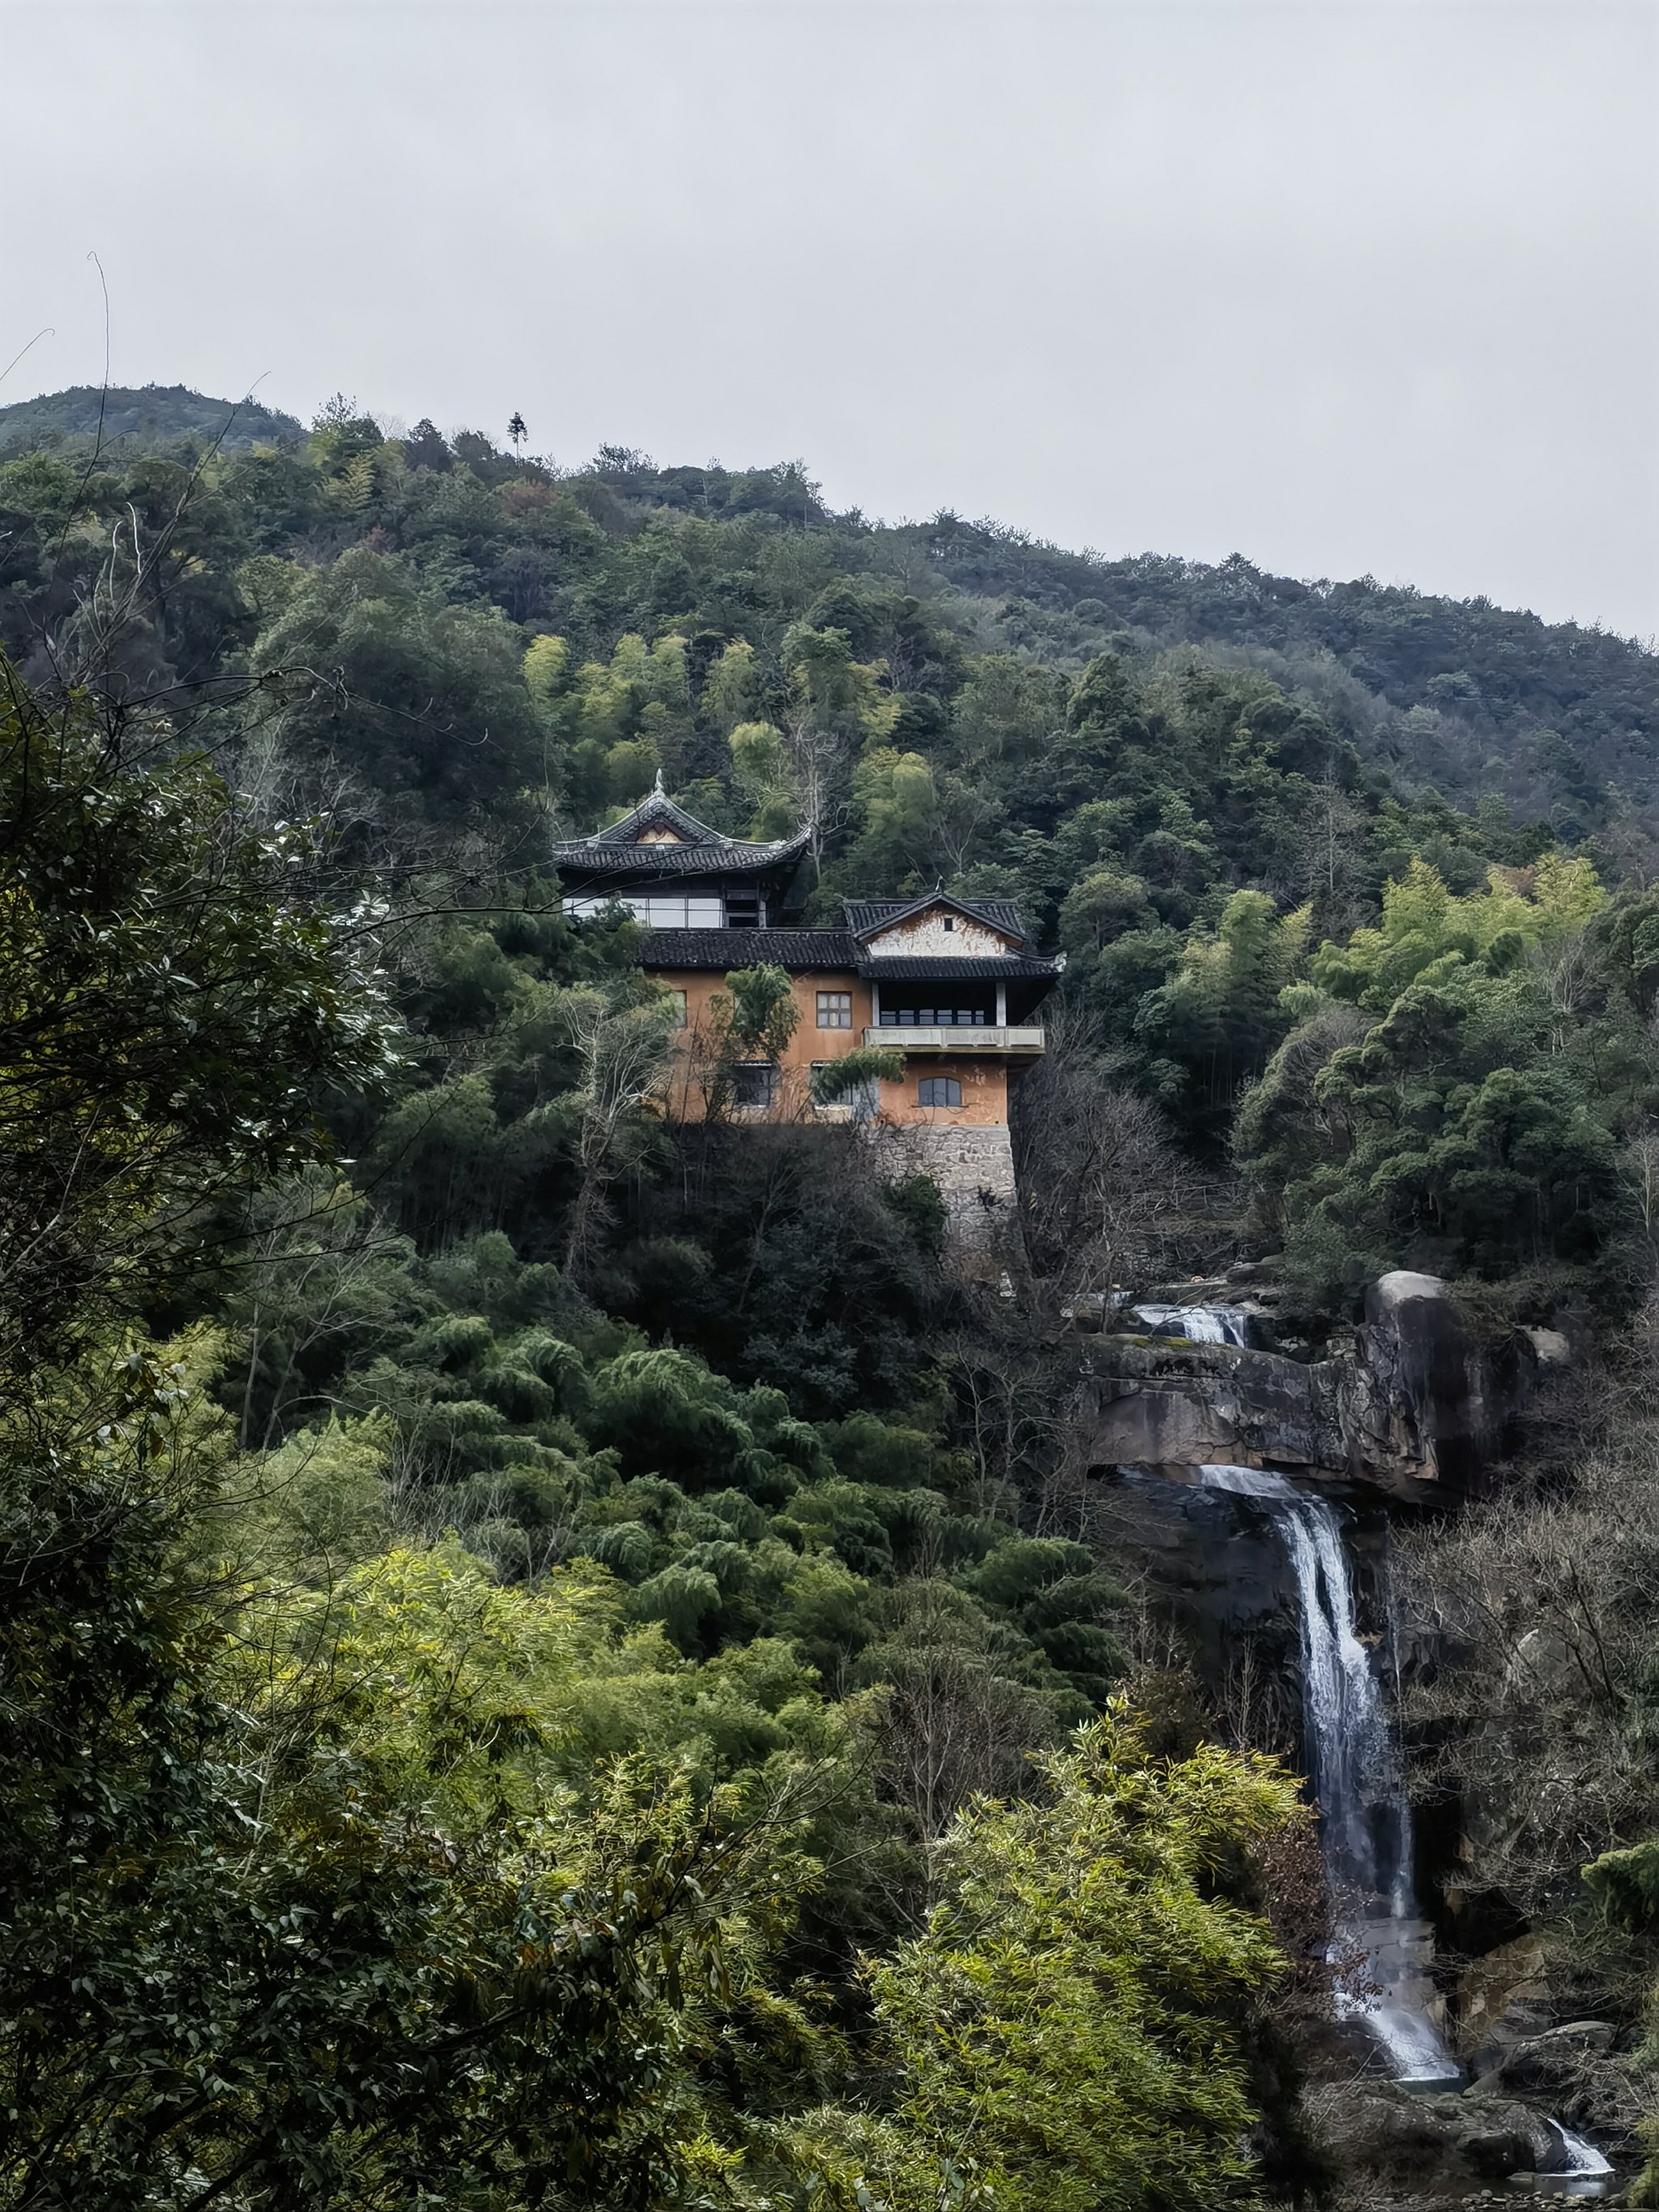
704	851
580	859
802	952
1003	968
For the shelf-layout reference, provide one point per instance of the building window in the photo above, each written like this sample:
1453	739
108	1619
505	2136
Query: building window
670	913
835	1010
894	1017
862	1101
754	1083
656	911
938	1091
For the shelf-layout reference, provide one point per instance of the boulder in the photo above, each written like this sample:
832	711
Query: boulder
1422	1392
1381	2131
1574	2072
1253	1271
1552	2063
1503	1998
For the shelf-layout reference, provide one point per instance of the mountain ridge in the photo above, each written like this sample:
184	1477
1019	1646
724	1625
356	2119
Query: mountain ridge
132	415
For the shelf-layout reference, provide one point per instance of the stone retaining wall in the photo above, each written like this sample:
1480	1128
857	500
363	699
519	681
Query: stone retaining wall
974	1168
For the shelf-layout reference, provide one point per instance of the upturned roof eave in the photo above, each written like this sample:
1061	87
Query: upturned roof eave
620	845
629	861
833	951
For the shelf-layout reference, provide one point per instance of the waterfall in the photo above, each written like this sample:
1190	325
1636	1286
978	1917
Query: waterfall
1353	1763
1199	1324
1585	2162
1354	1767
1366	1828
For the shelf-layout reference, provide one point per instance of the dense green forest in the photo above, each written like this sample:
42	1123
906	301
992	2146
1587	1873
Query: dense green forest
550	1659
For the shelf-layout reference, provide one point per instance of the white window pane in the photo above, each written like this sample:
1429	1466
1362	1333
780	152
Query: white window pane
703	914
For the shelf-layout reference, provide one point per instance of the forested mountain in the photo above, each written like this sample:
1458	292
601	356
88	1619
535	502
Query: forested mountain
116	420
525	1629
1461	697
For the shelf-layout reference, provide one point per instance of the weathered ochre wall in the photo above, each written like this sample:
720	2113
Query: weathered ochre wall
809	1042
984	1079
984	1091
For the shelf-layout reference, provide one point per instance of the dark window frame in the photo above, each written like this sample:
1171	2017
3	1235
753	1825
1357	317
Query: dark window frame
930	1086
760	1075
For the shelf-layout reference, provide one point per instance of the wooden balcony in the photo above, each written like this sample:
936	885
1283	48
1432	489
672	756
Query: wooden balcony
955	1038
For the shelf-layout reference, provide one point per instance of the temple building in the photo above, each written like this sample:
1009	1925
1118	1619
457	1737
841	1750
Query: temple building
949	982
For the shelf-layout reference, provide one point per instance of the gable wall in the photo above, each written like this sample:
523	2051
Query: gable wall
925	937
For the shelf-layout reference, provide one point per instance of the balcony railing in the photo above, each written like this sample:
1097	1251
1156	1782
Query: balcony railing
955	1038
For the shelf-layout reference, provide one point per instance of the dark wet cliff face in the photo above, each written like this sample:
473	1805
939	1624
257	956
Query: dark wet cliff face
1214	1561
1220	1566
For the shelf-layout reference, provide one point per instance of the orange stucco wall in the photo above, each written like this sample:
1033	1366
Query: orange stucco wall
983	1078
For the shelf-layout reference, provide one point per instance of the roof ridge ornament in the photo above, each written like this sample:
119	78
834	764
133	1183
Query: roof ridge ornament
657	786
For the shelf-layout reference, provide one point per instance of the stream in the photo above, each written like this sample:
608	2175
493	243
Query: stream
1354	1767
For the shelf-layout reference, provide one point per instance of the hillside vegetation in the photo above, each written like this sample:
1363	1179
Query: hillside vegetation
90	417
572	1660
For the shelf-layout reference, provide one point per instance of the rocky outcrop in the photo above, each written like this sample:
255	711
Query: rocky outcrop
1165	1402
1421	1393
1577	2072
1382	2129
1222	1568
1417	1408
1503	1997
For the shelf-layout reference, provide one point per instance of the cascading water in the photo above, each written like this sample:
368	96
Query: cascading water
1585	2167
1355	1769
1366	1829
1354	1765
1199	1324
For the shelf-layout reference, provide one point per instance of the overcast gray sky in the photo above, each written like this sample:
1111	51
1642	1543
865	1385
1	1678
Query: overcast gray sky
1347	288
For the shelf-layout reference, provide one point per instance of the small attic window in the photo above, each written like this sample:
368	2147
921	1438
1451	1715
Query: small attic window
950	922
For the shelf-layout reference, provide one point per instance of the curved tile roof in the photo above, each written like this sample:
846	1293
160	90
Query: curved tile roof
807	952
991	968
581	857
799	951
700	851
